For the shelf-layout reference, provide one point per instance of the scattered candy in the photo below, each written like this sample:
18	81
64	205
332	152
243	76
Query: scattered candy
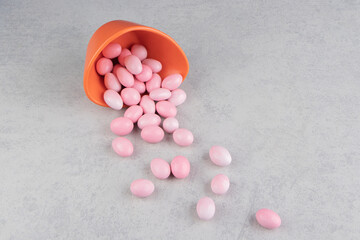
160	168
139	51
170	124
133	113
205	208
220	184
166	109
268	218
113	99
139	86
220	156
145	75
153	83
180	167
112	50
148	119
152	134
172	81
130	96
121	126
178	97
122	146
111	82
147	104
155	65
142	188
160	94
183	137
104	66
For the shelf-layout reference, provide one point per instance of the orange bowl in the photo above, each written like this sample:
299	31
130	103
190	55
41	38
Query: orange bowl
159	45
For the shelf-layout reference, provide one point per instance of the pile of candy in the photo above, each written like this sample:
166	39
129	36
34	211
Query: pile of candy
132	79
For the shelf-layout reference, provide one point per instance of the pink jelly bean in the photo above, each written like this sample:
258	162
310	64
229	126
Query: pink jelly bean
183	137
121	126
113	99
145	74
139	51
124	53
160	94
153	83
152	134
155	65
178	97
130	96
122	146
139	86
147	104
148	119
205	208
166	109
111	82
180	167
125	78
115	68
268	218
112	50
142	188
133	64
220	156
170	124
134	113
220	184
104	66
160	168
172	81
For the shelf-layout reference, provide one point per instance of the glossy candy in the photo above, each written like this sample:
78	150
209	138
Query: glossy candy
133	64
139	86
152	134
183	137
160	168
205	208
172	81
170	124
112	50
155	65
220	184
142	188
139	51
122	146
153	83
133	113
121	126
125	78
160	94
166	109
111	82
130	96
220	156
124	53
148	119
104	66
268	218
147	104
180	167
113	99
178	97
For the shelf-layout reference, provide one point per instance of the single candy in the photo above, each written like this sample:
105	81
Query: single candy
160	94
104	66
152	134
147	104
180	167
111	82
172	81
178	96
121	126
220	184
130	96
170	124
220	156
166	109
148	119
115	68
153	83
183	137
112	50
160	168
122	146
139	86
268	218
205	208
125	78
155	65
145	74
139	51
124	53
133	64
134	113
113	99
142	188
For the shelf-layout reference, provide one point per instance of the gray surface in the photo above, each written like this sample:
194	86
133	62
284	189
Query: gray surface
277	83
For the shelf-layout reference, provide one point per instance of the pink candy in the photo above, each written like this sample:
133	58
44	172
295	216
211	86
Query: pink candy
180	167
160	168
130	96
153	83
139	51
205	208
145	75
133	64
104	66
178	97
111	82
133	113
160	94
155	65
268	218
220	156
166	109
121	126
148	119
112	50
152	134
170	124
124	53
183	137
122	146
147	104
125	78
220	184
172	81
139	86
113	99
142	188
